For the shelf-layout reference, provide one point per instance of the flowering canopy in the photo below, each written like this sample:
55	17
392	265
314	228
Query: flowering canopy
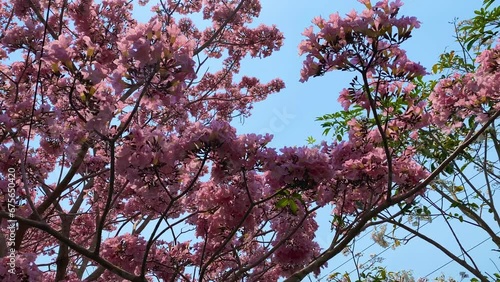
153	181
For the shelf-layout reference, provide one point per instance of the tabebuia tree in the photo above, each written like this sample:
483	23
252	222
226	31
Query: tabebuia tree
119	162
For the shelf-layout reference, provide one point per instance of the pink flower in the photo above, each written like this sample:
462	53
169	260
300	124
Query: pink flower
59	50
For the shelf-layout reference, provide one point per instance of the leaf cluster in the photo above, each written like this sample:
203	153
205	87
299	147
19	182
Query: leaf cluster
483	27
337	122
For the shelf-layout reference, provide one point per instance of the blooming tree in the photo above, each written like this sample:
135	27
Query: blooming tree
154	184
460	102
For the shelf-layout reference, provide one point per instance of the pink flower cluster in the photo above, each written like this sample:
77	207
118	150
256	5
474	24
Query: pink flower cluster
459	97
126	250
360	42
24	267
300	248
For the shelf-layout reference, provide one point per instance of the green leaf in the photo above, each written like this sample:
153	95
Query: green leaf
433	167
449	169
383	274
333	275
297	196
474	206
293	207
469	45
426	210
282	203
462	168
310	140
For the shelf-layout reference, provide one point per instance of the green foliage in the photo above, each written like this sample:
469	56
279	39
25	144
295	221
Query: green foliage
337	122
289	201
473	35
452	61
310	140
482	28
435	146
422	87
